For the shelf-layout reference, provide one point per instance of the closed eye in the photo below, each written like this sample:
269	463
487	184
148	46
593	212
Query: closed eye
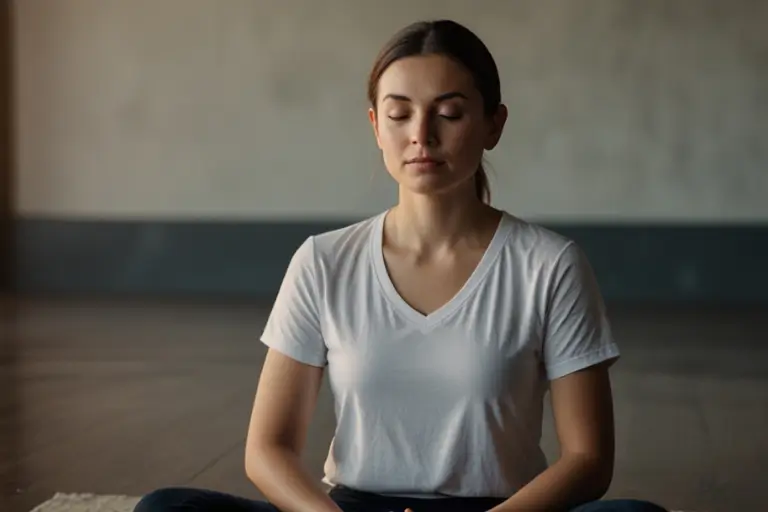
444	116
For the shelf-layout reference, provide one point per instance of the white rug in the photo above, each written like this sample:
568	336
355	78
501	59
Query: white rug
88	503
91	503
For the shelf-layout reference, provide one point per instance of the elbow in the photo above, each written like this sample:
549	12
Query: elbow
255	453
250	460
255	459
263	458
601	488
601	475
596	474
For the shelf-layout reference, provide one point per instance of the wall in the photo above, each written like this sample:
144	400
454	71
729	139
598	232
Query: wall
142	118
6	149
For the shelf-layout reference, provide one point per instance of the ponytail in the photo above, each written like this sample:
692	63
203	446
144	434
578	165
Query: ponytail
482	186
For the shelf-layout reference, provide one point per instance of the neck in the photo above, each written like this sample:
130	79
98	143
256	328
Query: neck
426	223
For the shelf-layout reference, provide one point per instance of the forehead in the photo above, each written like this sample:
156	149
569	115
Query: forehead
423	78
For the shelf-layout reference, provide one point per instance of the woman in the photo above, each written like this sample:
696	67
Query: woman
442	323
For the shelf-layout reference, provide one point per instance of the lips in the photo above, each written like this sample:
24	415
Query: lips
424	161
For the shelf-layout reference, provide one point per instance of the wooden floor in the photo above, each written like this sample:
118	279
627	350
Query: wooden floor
124	397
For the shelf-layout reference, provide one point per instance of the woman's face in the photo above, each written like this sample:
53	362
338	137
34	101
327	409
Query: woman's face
430	124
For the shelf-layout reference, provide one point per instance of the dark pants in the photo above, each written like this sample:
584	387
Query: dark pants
186	499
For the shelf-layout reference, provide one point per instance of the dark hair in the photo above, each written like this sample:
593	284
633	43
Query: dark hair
445	37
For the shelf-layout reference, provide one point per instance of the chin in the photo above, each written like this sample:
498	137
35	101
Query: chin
435	190
435	184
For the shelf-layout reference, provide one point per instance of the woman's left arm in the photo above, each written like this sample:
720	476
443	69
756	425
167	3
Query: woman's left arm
578	349
583	412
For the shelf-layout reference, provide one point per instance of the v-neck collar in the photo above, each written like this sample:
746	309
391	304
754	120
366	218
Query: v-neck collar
476	277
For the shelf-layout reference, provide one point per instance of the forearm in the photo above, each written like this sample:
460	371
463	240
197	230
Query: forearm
569	482
278	473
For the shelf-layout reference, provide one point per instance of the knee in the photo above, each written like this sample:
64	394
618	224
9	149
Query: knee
621	505
639	506
163	500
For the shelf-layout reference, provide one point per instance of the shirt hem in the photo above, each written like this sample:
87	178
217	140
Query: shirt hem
584	361
294	353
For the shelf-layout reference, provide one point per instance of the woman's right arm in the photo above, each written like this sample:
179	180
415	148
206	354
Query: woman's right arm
282	410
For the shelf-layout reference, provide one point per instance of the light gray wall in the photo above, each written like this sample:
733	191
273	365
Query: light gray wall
622	110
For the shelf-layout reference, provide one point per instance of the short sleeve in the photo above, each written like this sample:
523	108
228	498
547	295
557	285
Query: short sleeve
577	330
293	326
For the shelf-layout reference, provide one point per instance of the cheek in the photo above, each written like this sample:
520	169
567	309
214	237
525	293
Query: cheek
391	135
465	143
391	142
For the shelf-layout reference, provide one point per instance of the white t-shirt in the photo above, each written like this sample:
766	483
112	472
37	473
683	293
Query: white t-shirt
448	404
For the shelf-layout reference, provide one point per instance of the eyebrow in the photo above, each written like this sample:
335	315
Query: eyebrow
442	97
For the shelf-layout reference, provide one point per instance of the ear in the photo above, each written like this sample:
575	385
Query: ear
373	118
497	123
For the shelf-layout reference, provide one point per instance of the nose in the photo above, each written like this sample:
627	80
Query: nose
424	131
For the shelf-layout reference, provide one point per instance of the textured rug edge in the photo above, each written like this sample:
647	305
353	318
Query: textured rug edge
87	502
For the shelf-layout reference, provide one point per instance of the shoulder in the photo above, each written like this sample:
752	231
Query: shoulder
338	242
547	260
318	259
332	247
538	244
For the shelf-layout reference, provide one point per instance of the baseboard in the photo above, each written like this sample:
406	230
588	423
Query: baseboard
247	259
